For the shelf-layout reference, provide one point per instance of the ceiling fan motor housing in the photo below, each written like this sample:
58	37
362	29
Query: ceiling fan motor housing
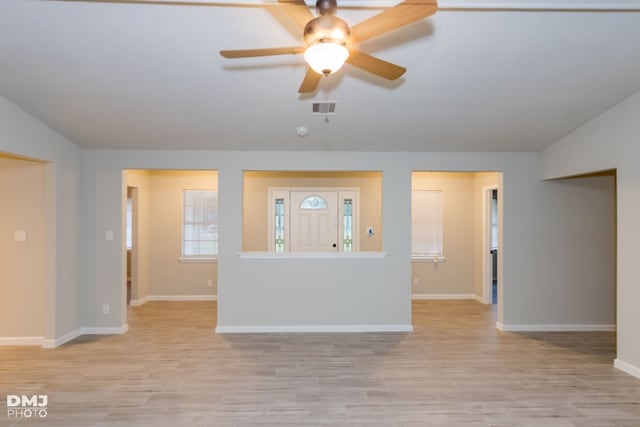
326	29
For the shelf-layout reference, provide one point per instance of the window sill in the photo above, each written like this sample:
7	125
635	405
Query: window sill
431	259
312	255
198	260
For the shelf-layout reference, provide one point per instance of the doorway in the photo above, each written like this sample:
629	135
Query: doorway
490	247
308	220
132	243
169	252
314	221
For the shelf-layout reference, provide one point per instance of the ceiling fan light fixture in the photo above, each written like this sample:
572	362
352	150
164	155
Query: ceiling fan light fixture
326	57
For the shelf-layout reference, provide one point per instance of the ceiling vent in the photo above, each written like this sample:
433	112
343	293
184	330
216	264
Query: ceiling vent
324	107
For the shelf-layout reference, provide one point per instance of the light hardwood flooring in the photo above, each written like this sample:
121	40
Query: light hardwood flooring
456	369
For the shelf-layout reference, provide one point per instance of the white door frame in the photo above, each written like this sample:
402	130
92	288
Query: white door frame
487	279
285	193
134	242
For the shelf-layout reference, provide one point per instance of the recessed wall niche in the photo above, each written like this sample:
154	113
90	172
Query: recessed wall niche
312	211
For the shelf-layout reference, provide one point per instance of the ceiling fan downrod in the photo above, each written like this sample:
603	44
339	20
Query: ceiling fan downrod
326	7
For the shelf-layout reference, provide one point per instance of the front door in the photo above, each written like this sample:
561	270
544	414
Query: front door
314	221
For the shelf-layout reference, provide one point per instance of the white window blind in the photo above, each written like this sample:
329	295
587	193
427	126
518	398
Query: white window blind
129	223
200	223
426	218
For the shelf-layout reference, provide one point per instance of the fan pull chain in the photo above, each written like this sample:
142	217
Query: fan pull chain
326	98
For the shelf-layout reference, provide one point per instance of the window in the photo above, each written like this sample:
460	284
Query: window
313	202
494	219
426	230
347	225
129	223
279	225
200	223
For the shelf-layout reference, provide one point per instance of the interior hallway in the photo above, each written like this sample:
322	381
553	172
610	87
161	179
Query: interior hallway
455	369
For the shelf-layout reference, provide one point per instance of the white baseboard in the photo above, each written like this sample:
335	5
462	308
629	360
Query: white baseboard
21	340
441	296
182	298
627	367
49	343
311	329
555	328
104	330
52	343
138	302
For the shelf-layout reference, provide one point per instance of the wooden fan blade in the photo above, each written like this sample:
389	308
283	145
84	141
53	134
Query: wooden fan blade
374	65
249	53
310	82
398	16
298	10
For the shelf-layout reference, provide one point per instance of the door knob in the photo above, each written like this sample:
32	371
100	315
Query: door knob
335	245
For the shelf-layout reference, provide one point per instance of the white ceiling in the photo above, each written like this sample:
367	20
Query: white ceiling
148	76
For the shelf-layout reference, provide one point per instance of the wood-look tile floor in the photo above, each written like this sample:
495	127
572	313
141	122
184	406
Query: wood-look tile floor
170	369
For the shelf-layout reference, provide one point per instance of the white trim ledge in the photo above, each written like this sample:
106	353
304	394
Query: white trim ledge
627	368
198	260
312	255
441	296
429	259
311	328
555	328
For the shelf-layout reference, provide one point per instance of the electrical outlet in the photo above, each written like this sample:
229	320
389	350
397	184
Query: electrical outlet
209	283
416	282
106	309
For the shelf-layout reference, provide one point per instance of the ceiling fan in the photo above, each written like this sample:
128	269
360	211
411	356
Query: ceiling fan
330	42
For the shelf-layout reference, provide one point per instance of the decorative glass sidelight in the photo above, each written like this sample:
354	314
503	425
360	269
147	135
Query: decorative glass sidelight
347	230
279	225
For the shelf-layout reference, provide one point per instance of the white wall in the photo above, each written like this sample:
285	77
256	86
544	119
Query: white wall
365	292
23	135
334	292
612	140
575	269
23	264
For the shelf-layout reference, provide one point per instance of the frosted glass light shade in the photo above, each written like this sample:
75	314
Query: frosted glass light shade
326	58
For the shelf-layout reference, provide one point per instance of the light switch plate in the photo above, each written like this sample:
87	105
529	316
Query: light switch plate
20	235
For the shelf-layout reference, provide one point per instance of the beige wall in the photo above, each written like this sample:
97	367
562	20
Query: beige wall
169	276
256	194
23	265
